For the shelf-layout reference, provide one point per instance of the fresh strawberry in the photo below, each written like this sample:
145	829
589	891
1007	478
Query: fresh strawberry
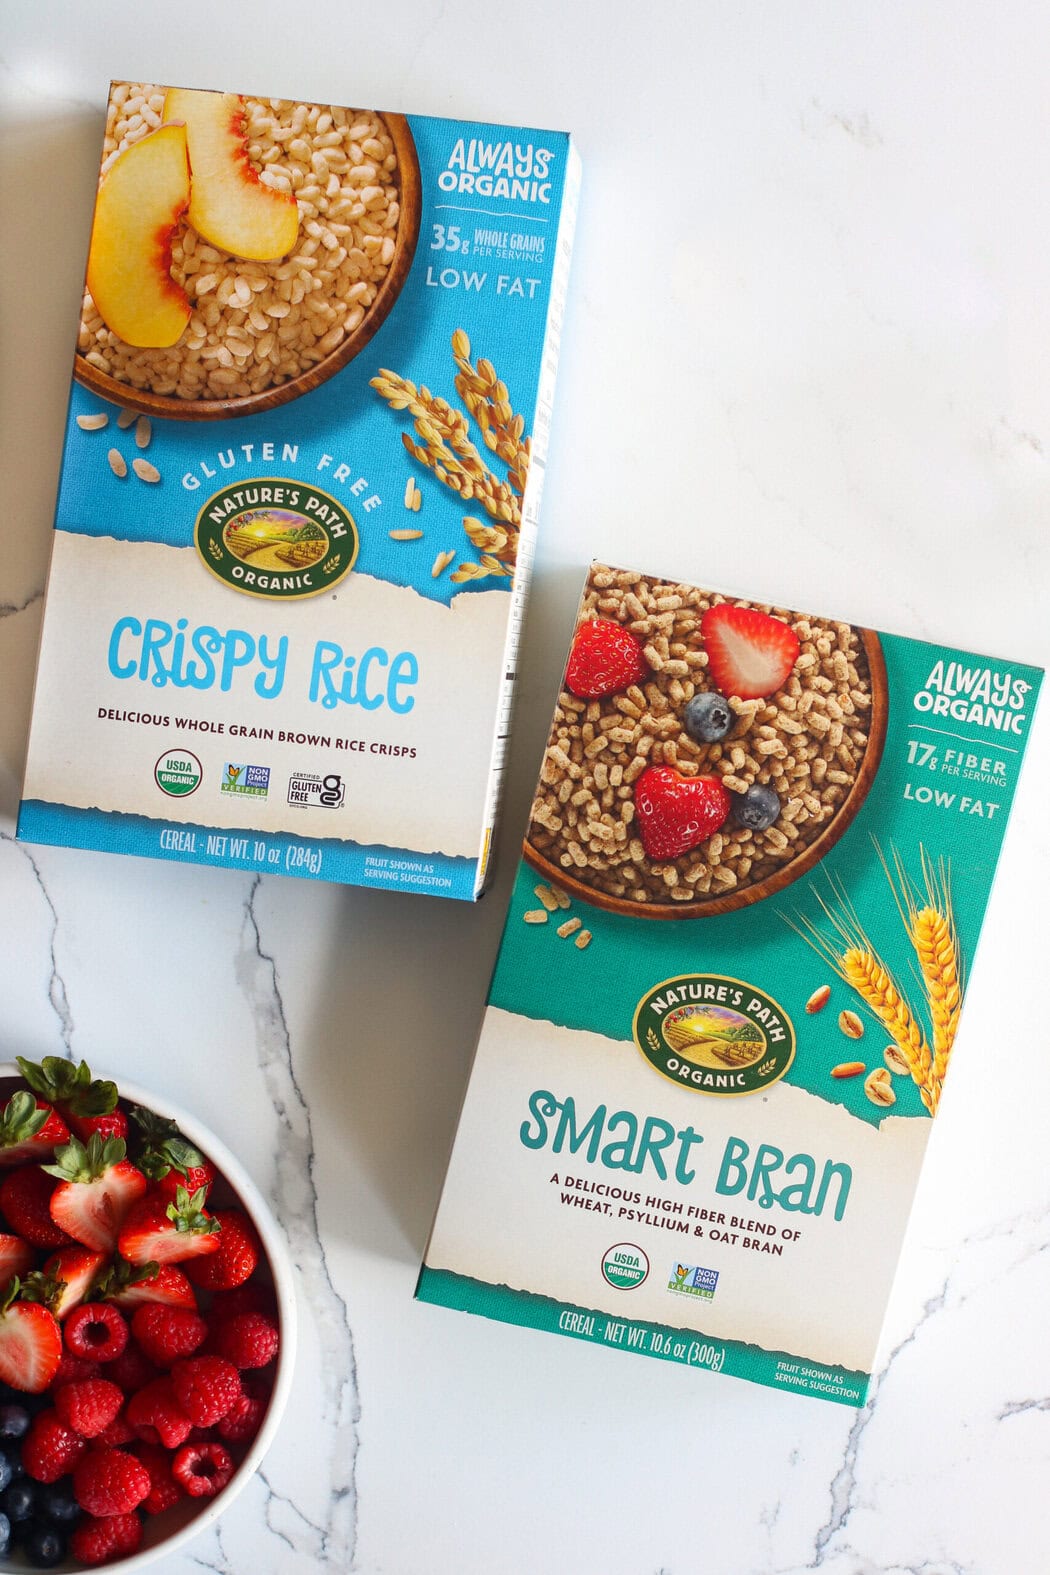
100	1541
97	1186
202	1469
109	1482
247	1340
167	1157
164	1490
51	1447
73	1271
88	1104
29	1129
25	1197
157	1231
236	1256
89	1407
134	1285
156	1415
676	813
605	658
749	654
16	1257
167	1333
96	1331
242	1420
195	1178
30	1342
206	1387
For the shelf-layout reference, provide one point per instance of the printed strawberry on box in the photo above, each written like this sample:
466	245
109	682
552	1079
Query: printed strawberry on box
140	1332
730	983
300	489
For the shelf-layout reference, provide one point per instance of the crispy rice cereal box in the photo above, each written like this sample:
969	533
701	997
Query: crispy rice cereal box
729	985
302	470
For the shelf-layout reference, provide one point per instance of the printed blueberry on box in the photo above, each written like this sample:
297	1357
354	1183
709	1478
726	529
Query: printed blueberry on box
302	471
730	983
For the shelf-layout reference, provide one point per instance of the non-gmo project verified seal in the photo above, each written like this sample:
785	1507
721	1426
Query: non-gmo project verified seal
248	781
690	1280
311	791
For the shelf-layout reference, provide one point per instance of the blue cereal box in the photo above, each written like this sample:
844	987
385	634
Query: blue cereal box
304	453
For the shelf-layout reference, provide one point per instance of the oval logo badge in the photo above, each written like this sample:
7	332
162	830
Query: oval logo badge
714	1034
276	538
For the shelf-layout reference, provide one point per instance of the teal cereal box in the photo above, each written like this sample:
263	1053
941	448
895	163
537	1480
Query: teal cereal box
730	983
311	398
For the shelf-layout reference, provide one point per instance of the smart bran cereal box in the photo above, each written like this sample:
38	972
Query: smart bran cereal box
730	983
303	461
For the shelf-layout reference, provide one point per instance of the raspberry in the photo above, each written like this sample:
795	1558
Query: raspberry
164	1490
99	1541
118	1433
252	1297
156	1415
167	1333
132	1370
50	1448
95	1330
242	1420
72	1370
89	1407
247	1339
202	1469
110	1482
206	1387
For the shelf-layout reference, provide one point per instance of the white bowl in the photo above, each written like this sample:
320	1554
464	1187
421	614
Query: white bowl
163	1534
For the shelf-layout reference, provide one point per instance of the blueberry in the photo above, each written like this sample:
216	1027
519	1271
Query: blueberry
707	717
57	1504
6	1470
756	809
45	1547
18	1499
14	1421
5	1535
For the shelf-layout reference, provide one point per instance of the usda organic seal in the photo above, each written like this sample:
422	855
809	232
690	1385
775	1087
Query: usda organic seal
625	1266
714	1034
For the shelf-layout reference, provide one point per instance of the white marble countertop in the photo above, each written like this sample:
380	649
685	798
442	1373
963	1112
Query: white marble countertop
805	351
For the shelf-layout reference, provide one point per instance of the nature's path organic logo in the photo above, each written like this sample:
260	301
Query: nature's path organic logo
276	538
714	1034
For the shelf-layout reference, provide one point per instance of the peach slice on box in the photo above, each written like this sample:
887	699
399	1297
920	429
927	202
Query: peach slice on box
229	204
143	195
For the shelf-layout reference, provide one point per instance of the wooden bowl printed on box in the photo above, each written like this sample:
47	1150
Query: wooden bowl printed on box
810	855
171	409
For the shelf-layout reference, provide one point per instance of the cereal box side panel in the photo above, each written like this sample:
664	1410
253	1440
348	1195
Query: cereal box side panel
530	507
